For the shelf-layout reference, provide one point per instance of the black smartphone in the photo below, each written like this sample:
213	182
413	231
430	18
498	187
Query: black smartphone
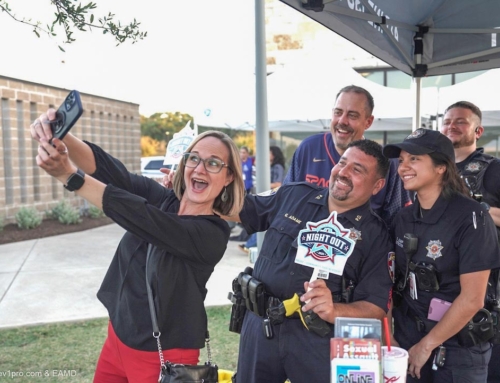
66	116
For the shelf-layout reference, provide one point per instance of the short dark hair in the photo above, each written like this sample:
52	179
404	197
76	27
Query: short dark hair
452	183
370	104
373	149
466	105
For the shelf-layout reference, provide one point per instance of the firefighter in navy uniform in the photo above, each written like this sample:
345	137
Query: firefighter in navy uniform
443	252
274	348
481	173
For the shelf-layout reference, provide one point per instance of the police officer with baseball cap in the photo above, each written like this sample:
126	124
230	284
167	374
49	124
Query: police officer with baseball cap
480	171
444	255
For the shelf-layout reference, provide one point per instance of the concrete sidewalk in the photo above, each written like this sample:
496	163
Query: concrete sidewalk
56	279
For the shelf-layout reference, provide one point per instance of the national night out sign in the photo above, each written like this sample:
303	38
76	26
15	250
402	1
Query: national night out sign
325	245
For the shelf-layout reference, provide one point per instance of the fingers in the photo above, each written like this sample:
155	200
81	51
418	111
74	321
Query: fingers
414	371
40	128
53	150
168	178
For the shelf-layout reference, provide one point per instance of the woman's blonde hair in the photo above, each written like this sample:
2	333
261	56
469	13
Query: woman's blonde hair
235	190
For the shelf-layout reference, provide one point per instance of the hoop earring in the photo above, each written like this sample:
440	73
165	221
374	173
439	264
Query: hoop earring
224	197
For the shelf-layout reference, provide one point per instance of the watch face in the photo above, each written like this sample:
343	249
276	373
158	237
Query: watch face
75	181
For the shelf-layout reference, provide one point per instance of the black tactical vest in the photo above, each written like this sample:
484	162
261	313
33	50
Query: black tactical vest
473	175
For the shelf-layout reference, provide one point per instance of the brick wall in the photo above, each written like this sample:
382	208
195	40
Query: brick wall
114	125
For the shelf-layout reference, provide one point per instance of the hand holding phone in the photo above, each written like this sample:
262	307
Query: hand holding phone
66	116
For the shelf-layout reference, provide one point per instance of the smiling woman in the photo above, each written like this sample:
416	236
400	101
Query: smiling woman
173	239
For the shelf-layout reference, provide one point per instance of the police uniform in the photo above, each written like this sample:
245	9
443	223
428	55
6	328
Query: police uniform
455	237
294	352
316	156
482	174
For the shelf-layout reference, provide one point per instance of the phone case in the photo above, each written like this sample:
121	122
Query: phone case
66	116
437	309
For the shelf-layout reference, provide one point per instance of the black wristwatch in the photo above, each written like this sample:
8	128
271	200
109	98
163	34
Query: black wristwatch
486	206
75	181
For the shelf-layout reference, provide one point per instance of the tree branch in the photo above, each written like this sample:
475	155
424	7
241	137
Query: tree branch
70	16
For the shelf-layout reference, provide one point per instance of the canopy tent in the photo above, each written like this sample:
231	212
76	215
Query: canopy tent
419	38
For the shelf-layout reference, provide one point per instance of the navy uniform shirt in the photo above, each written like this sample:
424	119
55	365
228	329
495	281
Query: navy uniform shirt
286	212
456	236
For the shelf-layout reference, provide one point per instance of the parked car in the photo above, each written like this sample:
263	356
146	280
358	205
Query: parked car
150	166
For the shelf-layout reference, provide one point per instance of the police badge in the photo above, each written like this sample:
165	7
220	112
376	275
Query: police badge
434	249
473	167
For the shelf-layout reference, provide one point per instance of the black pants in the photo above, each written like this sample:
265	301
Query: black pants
293	353
494	365
462	365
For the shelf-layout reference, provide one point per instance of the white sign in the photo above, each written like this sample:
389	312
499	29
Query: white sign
325	245
178	145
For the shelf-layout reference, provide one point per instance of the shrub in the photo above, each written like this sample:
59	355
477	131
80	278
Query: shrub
28	218
70	217
1	224
95	212
65	213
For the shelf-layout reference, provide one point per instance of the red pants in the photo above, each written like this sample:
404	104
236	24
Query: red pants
119	363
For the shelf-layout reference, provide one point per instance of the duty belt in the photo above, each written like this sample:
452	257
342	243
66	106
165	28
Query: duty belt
272	309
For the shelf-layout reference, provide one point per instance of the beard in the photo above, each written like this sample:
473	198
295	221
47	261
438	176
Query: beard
465	141
342	143
340	195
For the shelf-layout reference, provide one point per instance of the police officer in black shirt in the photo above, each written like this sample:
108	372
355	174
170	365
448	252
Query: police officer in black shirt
481	173
336	226
444	255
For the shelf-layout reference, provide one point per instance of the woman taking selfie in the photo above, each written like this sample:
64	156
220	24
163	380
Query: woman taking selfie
187	239
445	248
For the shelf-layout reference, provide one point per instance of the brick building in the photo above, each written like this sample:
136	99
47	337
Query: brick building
112	124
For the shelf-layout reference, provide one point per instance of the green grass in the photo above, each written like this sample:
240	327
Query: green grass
68	352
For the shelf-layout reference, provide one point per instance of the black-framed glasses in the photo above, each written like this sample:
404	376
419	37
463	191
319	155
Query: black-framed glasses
212	164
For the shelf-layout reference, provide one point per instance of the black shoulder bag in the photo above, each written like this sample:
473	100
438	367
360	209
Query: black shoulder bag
173	372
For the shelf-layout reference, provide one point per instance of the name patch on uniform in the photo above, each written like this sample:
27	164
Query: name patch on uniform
325	245
268	193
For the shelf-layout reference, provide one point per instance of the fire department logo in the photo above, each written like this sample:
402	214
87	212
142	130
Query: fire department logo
416	134
325	244
355	235
434	249
473	167
391	265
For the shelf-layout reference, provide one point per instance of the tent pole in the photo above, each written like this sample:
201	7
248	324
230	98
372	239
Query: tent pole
417	120
263	173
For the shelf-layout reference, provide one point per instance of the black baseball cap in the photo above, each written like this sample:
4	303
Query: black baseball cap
422	141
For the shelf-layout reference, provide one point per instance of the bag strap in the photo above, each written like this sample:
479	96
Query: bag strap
154	319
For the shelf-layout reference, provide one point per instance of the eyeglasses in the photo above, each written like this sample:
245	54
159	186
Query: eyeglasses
212	165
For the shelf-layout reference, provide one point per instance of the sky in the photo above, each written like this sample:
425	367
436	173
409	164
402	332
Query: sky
194	50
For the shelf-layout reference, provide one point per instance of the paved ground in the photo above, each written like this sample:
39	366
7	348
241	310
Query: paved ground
56	278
